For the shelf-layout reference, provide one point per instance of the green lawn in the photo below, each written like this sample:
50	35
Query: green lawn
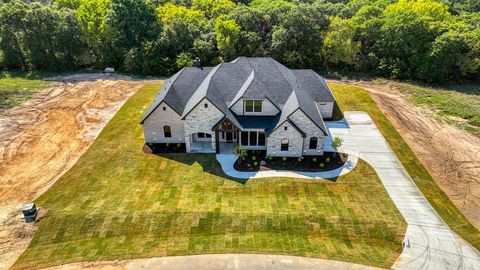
119	203
16	87
352	98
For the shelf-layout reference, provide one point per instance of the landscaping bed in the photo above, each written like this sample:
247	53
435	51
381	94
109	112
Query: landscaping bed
256	160
165	148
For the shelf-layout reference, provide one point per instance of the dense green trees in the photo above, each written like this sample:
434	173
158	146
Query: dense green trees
429	40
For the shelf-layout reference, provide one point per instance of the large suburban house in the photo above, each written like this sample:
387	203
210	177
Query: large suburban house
255	102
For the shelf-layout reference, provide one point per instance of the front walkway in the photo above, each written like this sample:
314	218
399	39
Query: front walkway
227	160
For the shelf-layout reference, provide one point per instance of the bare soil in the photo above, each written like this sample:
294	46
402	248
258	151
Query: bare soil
44	137
450	154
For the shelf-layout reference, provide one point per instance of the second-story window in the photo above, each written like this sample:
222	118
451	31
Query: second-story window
253	105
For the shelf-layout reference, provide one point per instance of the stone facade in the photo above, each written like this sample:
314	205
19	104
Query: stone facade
162	116
201	119
295	141
205	115
310	130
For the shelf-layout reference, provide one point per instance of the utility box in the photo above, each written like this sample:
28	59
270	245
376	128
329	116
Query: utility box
109	70
29	212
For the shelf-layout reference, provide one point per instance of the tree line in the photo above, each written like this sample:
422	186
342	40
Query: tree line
406	39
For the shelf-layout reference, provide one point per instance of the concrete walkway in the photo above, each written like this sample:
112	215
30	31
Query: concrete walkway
227	159
219	261
430	244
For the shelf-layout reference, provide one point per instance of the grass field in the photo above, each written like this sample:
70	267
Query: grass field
119	203
351	98
16	87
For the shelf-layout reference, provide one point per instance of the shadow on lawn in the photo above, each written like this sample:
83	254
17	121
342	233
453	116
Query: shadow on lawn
207	161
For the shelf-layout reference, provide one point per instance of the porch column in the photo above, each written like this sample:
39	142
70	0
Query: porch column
217	142
187	143
214	140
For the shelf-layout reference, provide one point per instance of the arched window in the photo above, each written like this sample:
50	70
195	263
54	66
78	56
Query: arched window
284	145
167	131
313	143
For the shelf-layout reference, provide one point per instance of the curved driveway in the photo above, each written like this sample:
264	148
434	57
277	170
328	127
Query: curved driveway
429	242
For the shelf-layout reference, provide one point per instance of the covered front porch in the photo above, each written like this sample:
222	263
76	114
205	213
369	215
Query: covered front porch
206	147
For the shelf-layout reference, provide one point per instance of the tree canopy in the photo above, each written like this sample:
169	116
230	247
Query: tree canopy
428	40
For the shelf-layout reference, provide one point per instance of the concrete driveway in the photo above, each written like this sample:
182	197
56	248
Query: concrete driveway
429	242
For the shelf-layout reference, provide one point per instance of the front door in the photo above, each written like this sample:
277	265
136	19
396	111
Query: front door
229	136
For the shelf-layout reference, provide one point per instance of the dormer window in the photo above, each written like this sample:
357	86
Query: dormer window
253	105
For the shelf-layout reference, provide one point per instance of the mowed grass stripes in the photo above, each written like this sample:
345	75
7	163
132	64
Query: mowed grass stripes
119	203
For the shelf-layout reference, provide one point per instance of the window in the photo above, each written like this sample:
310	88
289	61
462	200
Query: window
253	138
257	106
261	138
284	146
202	135
206	105
244	137
253	105
322	103
313	143
285	128
164	108
167	131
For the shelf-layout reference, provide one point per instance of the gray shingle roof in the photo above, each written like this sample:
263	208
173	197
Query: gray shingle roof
251	78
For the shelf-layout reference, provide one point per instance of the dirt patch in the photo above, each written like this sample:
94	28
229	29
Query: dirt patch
450	154
43	138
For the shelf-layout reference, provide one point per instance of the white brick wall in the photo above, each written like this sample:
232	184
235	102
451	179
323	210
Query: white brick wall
202	119
153	125
295	142
310	130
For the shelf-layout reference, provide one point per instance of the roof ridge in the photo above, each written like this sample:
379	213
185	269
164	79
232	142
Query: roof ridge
200	92
243	88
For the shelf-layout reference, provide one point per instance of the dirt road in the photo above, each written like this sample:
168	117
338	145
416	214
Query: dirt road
43	138
450	154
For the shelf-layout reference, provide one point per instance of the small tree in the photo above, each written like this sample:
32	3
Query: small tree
239	152
337	142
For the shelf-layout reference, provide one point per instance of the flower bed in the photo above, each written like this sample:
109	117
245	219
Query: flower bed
165	148
258	161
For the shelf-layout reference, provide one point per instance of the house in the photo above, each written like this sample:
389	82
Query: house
255	102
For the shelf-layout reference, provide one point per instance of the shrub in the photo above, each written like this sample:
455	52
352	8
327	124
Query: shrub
255	163
299	159
179	145
321	165
284	158
314	159
254	158
270	158
327	160
244	158
167	145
